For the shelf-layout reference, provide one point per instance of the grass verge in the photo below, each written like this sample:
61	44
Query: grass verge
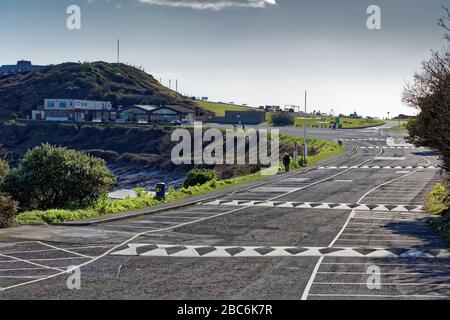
347	123
104	206
437	204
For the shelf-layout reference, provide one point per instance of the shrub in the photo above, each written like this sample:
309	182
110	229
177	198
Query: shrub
8	211
283	119
4	170
438	200
51	177
199	177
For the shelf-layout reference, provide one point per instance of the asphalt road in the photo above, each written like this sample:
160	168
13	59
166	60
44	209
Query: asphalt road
352	230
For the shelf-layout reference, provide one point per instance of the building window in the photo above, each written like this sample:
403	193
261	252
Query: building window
50	104
63	104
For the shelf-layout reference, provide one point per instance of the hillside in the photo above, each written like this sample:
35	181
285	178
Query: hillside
121	84
219	108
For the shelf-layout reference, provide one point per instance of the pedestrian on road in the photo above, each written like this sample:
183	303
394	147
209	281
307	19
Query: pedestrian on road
286	162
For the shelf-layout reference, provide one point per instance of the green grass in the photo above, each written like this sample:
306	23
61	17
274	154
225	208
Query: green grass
219	108
324	150
327	149
347	123
435	205
400	127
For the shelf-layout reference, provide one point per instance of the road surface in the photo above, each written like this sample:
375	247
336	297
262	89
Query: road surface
352	230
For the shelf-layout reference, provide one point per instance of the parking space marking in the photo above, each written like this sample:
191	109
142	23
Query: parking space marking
64	250
22	277
23	269
399	284
30	262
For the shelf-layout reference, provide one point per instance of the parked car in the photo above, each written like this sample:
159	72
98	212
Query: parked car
175	123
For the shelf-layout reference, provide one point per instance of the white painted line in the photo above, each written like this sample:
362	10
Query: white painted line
22	269
388	240
151	222
397	284
30	262
383	219
57	259
409	265
382	296
382	235
23	277
358	273
65	250
311	279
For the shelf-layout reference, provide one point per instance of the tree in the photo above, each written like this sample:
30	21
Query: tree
430	93
51	177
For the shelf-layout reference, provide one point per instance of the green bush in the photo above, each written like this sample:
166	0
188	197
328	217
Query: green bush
51	177
8	211
438	200
199	177
283	119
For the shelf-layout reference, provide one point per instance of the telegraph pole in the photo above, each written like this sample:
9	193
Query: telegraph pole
305	154
118	50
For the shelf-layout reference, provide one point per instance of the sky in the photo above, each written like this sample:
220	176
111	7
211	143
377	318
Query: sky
258	52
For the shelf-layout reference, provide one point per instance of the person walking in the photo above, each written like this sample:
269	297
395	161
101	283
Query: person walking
286	162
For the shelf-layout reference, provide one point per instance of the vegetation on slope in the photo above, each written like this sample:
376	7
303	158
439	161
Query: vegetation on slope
118	83
438	203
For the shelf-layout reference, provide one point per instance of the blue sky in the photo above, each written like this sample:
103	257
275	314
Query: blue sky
246	51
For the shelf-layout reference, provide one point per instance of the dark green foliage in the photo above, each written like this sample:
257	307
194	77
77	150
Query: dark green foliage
54	178
430	93
143	144
199	177
8	211
283	119
431	128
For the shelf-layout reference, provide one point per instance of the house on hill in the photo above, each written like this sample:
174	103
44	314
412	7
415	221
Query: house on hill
21	66
75	110
155	114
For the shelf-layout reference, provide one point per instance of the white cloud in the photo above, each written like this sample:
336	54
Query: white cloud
213	5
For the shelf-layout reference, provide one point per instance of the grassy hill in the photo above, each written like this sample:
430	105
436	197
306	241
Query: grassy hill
121	84
219	108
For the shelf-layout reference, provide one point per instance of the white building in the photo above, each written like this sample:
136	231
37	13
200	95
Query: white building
75	110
